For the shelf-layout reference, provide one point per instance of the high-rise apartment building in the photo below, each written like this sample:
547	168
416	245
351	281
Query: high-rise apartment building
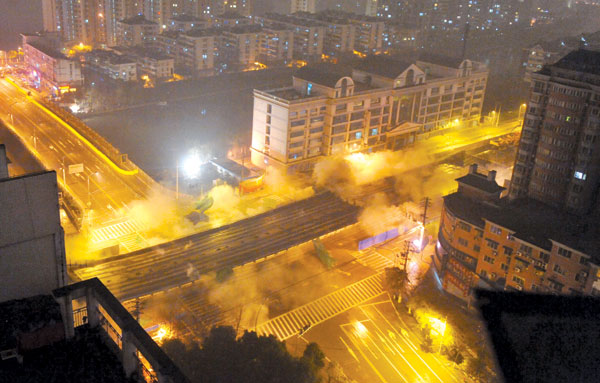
558	162
544	236
88	21
243	7
303	6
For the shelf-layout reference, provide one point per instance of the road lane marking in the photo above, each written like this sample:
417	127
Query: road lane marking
349	349
416	352
75	132
367	359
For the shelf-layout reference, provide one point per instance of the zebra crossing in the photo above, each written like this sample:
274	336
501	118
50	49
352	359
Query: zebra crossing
373	259
125	233
293	322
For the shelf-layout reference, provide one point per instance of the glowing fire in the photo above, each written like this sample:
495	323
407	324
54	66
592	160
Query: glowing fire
162	334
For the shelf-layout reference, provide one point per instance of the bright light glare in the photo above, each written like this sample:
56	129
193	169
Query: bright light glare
192	165
417	243
361	330
437	326
74	108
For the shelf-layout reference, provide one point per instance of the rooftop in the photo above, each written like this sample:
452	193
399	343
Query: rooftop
382	65
230	15
48	50
581	60
84	358
186	18
26	315
543	338
204	32
532	221
291	19
137	20
481	182
326	75
110	57
242	29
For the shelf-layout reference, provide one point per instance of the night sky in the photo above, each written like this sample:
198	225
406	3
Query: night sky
18	16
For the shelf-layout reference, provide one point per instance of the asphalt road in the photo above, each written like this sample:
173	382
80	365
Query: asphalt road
175	263
99	187
374	344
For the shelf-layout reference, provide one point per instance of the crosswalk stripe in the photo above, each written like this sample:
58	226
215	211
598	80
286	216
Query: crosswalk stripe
289	324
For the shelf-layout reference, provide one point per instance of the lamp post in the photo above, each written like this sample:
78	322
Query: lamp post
88	188
522	109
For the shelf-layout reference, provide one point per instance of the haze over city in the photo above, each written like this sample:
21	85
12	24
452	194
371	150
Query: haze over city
299	190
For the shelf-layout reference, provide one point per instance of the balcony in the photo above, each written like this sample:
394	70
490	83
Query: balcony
136	350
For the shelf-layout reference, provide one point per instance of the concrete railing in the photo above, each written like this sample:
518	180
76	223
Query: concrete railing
139	354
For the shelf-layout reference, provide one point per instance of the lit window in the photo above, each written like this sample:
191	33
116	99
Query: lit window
580	175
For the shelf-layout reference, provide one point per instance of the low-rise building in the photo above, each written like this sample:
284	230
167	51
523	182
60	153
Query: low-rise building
150	62
136	30
183	23
51	68
154	64
117	67
491	242
381	104
230	19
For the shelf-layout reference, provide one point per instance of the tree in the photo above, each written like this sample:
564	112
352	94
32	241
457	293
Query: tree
476	367
250	358
395	281
314	357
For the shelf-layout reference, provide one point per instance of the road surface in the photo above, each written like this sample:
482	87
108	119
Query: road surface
177	262
97	187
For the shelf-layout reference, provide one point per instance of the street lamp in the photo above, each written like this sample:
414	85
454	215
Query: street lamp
522	109
88	188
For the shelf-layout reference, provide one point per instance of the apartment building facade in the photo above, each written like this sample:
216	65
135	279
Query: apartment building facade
382	104
277	45
116	67
309	34
557	160
136	30
485	241
303	6
53	70
240	46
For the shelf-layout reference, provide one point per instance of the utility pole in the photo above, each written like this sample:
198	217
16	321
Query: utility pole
426	204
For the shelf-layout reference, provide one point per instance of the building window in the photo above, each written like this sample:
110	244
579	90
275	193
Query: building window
464	226
495	230
544	256
525	249
476	248
504	267
463	242
555	285
269	108
557	269
564	252
489	260
583	261
518	281
268	119
507	250
492	244
580	175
